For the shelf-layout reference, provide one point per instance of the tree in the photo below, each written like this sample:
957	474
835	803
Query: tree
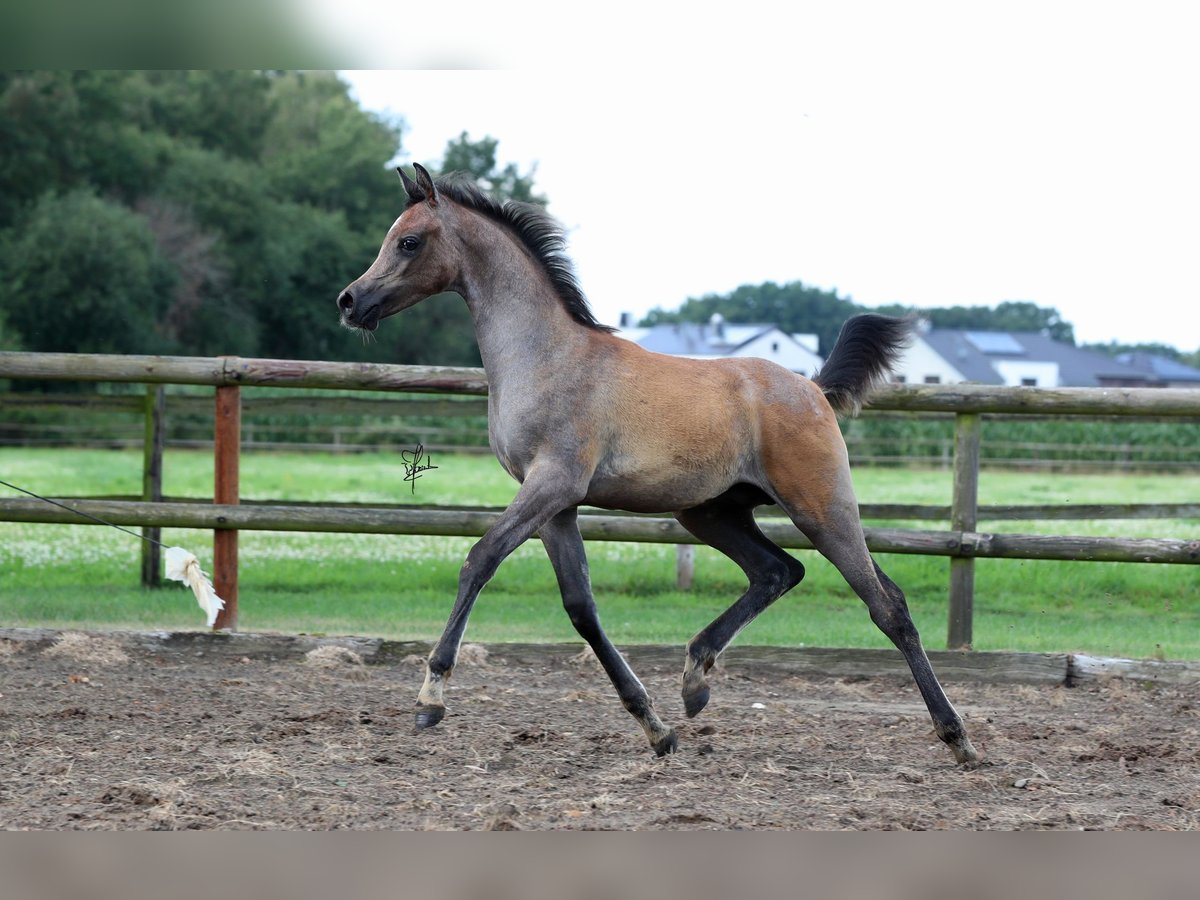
85	274
9	340
307	261
322	150
63	130
223	111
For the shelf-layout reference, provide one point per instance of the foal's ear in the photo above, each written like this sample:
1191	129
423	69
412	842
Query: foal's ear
425	184
415	194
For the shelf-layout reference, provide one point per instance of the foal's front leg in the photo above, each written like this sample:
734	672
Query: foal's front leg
546	491
564	546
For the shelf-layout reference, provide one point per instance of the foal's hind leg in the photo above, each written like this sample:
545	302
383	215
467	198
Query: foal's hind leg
838	536
564	545
729	527
804	458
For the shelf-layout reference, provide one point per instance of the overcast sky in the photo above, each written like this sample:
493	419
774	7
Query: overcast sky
1040	152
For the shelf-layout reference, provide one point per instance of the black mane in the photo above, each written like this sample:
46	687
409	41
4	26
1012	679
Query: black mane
541	234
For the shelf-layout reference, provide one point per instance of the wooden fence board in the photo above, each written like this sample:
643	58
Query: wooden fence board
473	523
1083	669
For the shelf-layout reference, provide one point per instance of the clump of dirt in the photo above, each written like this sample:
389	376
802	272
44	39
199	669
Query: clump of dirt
339	660
86	649
472	655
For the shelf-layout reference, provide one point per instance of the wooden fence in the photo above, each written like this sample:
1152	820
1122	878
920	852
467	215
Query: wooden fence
961	543
345	423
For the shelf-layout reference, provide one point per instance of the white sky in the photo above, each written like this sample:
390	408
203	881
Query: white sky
901	153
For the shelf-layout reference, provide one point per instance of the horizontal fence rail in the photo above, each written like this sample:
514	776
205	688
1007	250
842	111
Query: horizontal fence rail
962	543
237	371
593	526
245	371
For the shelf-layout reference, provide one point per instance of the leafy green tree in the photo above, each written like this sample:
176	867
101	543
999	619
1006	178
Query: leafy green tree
321	149
223	111
283	259
307	261
62	130
9	339
85	274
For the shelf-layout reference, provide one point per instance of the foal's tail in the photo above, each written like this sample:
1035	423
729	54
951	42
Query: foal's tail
866	349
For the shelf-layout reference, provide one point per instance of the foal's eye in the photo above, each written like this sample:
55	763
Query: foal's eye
409	244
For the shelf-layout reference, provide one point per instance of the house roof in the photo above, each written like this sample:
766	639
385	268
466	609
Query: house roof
973	354
691	339
1160	368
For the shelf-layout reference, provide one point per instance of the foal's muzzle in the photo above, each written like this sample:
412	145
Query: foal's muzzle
359	313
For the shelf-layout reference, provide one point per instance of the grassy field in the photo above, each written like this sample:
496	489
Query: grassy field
402	586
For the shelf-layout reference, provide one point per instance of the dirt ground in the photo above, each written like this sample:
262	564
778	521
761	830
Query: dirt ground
95	737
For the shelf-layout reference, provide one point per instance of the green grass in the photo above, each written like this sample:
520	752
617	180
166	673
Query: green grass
401	586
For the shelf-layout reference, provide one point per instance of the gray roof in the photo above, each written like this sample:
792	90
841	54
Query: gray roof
1160	368
690	339
965	350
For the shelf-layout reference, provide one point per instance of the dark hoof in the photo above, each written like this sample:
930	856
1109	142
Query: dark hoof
695	701
667	744
428	716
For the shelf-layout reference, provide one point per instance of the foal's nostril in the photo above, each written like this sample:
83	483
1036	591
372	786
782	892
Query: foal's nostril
346	301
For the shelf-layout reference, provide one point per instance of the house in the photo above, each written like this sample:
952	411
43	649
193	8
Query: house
952	355
719	338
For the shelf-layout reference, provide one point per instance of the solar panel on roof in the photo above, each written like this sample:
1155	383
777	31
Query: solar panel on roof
994	342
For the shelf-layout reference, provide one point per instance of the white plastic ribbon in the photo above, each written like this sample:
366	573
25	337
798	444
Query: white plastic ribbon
183	566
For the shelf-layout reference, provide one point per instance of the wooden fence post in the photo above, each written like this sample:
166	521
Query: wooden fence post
227	437
152	454
685	566
964	507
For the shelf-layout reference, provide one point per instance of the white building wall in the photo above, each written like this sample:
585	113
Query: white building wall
1016	372
780	348
921	363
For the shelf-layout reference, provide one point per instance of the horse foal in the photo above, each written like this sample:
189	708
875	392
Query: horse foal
580	416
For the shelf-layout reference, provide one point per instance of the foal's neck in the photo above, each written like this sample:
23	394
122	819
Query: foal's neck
520	322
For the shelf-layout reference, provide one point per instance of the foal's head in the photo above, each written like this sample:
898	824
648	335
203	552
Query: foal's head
443	229
416	260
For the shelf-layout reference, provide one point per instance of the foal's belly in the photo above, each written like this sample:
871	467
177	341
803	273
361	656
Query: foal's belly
656	492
